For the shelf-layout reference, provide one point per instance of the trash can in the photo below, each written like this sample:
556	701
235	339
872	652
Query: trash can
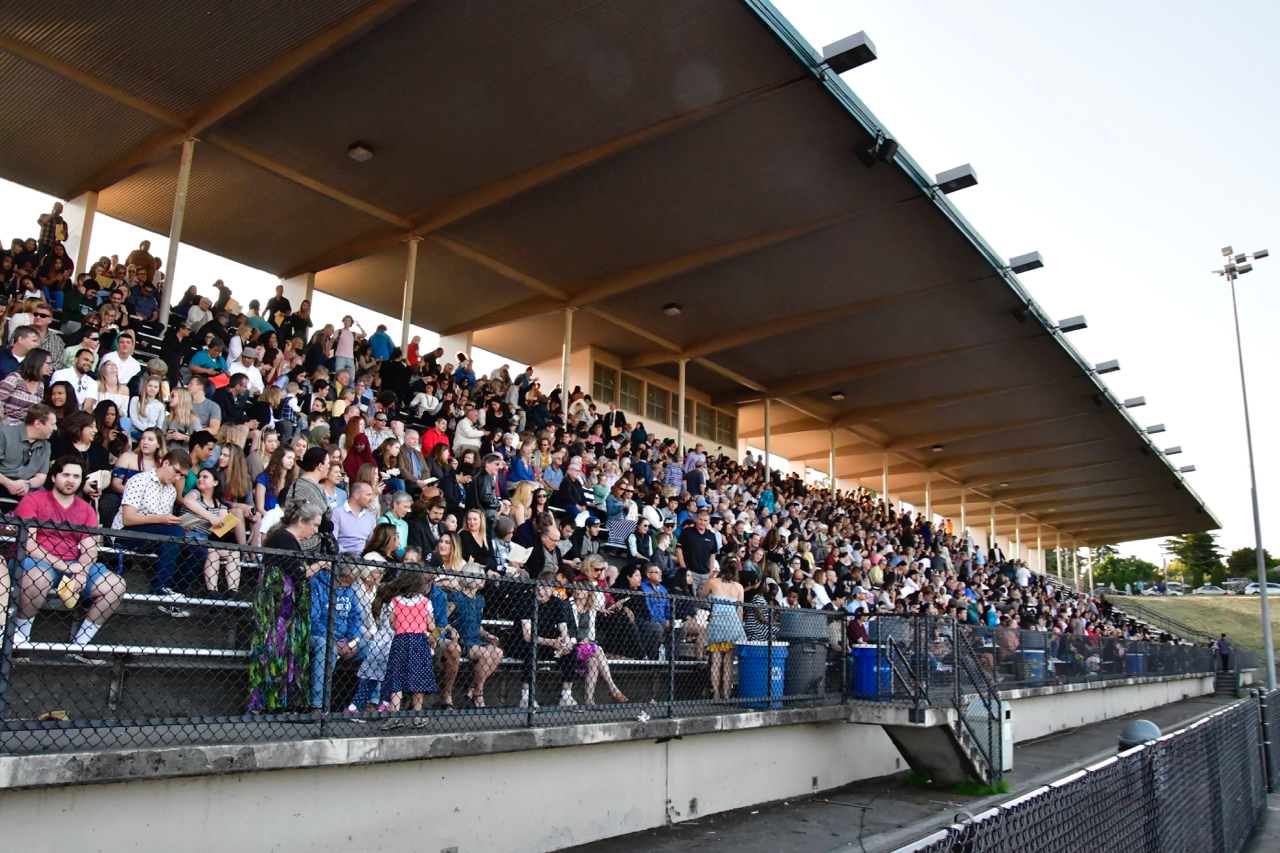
1135	664
870	677
1031	665
806	668
803	624
758	675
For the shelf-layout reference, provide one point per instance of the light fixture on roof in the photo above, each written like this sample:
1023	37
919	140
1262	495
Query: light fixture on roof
1135	402
1172	451
849	52
1004	485
1073	324
959	178
359	151
671	309
1155	428
837	395
1186	469
1021	312
1026	263
937	448
1107	367
883	149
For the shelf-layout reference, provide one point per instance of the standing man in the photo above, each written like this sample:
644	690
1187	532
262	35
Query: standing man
696	550
344	345
613	421
380	344
143	261
53	229
1223	645
277	304
55	555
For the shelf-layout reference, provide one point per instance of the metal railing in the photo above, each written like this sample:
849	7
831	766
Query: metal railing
286	652
1201	789
207	641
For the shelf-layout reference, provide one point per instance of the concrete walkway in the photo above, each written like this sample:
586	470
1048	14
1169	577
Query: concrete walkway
1266	838
882	814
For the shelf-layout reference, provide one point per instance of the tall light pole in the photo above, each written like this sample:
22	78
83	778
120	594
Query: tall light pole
1236	266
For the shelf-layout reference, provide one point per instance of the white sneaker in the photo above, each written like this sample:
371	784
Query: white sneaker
524	702
567	699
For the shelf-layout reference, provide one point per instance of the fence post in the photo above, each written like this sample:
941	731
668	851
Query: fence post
844	657
329	644
768	665
1267	767
670	641
533	658
11	613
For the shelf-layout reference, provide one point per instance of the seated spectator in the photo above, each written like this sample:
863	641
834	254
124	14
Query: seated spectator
147	507
80	377
64	561
22	390
127	366
24	340
353	521
25	452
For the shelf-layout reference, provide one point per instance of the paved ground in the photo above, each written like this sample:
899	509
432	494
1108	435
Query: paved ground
1267	837
881	814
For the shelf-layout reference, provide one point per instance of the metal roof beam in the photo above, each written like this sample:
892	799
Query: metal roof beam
965	460
867	414
822	379
775	326
238	94
451	210
910	442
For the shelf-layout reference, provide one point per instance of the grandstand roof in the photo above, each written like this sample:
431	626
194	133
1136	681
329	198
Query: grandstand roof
615	157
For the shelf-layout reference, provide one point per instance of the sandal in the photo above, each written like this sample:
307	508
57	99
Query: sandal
419	724
619	696
392	725
446	704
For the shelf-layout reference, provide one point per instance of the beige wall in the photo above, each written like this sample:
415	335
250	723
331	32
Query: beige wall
1036	716
519	802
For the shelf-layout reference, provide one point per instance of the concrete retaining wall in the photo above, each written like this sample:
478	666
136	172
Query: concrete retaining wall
1044	710
523	791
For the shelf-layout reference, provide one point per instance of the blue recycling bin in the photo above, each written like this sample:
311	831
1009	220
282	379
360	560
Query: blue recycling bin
1135	664
1031	665
870	677
758	675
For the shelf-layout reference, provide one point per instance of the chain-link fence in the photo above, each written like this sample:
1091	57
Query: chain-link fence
1269	704
160	640
1198	790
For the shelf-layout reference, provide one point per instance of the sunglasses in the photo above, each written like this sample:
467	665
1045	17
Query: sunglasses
44	314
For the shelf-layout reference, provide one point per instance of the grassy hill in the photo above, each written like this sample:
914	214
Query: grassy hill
1238	616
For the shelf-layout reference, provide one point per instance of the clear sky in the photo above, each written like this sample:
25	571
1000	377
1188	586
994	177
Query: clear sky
1127	142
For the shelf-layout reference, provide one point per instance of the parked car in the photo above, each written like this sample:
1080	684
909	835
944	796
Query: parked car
1209	589
1171	589
1272	589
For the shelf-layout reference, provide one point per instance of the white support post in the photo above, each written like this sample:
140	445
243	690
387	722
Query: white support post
1089	565
992	544
1057	552
964	520
884	481
1075	564
768	473
928	496
833	464
79	213
566	359
406	312
1039	551
1017	537
175	228
680	415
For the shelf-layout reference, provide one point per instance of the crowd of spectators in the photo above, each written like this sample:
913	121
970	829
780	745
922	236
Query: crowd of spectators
259	425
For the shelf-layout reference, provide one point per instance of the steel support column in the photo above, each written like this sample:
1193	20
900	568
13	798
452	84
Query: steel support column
175	228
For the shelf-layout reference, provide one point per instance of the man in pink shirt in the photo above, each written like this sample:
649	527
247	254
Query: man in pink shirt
53	555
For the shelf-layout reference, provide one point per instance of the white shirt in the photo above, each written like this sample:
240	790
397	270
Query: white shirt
128	367
197	318
256	385
86	386
1024	576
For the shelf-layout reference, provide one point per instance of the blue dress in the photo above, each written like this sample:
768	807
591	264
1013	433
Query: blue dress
725	625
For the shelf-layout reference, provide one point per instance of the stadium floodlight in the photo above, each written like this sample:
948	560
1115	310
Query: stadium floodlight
1172	451
1155	428
1107	367
1232	270
849	52
959	178
1026	263
1072	324
1135	402
360	152
883	150
1186	469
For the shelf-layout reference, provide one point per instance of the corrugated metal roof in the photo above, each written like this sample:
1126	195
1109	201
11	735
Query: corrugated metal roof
55	131
171	54
235	209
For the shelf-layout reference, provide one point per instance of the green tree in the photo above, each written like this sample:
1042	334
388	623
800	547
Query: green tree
1200	558
1125	570
1243	563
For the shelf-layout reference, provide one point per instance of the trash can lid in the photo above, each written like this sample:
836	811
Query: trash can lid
776	643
